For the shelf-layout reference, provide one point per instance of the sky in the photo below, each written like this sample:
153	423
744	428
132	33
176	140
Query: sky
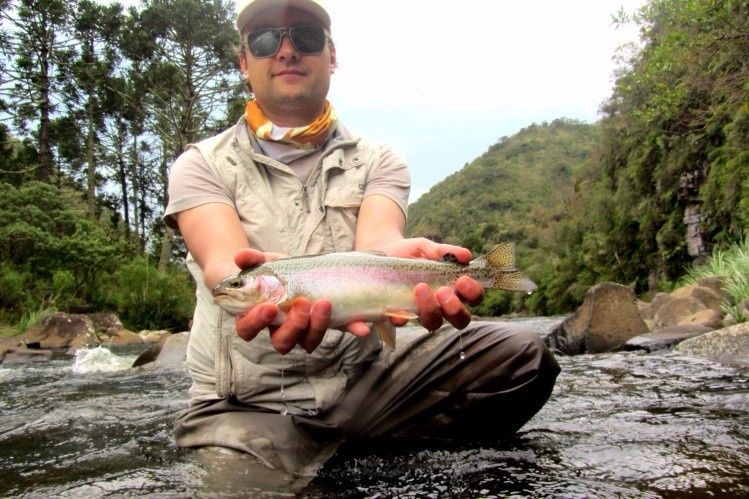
441	81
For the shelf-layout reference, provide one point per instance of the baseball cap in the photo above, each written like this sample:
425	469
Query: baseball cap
247	9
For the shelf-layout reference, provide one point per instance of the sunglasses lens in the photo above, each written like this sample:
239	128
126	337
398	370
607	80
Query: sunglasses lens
308	39
264	42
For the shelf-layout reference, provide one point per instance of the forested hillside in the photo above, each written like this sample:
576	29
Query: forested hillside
667	181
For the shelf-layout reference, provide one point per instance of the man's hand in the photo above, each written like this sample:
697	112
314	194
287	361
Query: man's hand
305	322
446	303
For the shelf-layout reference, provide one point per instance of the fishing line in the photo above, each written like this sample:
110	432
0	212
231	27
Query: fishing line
285	410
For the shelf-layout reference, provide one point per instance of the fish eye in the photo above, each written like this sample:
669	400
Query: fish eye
235	283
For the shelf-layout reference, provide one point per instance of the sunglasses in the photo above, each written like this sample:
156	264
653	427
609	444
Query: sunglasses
265	42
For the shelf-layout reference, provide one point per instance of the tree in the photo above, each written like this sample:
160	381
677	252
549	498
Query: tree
35	36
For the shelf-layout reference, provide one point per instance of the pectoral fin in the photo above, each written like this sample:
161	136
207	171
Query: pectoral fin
386	333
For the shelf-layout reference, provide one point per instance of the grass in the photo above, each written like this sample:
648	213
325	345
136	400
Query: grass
732	267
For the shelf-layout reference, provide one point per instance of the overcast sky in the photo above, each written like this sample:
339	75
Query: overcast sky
441	80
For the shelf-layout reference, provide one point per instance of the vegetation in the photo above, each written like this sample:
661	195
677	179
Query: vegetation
732	267
673	145
96	101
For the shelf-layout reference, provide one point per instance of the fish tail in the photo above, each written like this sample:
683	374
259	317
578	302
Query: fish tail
499	267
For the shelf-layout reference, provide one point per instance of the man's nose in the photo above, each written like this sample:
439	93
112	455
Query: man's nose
287	50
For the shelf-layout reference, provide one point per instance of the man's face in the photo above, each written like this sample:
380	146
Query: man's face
290	87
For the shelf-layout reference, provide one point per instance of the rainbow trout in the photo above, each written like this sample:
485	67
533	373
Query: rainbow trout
362	286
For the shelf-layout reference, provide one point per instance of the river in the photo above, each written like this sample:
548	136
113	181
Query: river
622	424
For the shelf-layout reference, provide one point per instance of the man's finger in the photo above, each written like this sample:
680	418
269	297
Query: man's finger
358	328
246	258
452	308
469	290
254	321
293	328
430	313
319	321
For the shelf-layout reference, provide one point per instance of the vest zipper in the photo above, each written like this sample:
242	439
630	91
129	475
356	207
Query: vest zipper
305	198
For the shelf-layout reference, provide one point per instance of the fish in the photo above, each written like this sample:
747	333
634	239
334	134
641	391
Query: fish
363	285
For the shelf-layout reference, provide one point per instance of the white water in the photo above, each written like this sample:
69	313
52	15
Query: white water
100	360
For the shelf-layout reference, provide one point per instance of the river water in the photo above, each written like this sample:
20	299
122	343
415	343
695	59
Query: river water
617	425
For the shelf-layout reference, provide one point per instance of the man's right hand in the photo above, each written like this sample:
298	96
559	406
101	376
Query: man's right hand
304	324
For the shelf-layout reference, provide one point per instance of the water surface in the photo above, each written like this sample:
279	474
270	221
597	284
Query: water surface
622	424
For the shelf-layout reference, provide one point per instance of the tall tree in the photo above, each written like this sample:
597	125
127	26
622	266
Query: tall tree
36	34
192	74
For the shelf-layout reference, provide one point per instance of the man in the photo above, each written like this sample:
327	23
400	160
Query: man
289	179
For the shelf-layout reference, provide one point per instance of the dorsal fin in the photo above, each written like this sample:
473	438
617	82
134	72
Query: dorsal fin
502	257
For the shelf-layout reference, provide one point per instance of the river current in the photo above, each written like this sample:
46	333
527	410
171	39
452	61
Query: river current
617	425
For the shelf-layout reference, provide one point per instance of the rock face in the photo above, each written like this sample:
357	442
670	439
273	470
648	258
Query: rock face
728	346
61	330
665	338
607	318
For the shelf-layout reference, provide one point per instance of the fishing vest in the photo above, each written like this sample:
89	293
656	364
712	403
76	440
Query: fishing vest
280	214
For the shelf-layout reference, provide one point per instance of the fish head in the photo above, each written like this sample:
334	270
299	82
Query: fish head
237	294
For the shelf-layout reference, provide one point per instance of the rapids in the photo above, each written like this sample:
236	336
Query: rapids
621	424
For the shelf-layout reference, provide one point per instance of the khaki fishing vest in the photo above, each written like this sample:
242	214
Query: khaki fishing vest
281	214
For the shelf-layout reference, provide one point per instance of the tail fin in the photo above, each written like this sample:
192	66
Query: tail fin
500	262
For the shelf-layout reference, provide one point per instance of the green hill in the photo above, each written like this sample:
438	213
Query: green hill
489	199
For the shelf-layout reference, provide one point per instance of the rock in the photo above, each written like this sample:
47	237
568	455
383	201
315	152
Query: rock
125	337
169	353
709	297
660	299
710	318
106	322
607	318
153	336
23	355
665	338
61	330
676	310
8	344
729	346
713	282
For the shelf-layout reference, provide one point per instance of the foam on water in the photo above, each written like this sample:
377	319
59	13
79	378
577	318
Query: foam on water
100	359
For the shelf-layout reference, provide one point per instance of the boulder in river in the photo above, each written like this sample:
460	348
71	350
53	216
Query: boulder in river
607	318
728	346
125	337
665	338
169	353
106	322
61	330
676	310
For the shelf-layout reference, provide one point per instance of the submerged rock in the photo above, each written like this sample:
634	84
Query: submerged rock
665	338
607	318
169	353
729	346
22	355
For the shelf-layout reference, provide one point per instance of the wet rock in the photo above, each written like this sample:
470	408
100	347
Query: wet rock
729	346
607	318
153	336
676	310
61	330
665	338
170	353
23	355
125	337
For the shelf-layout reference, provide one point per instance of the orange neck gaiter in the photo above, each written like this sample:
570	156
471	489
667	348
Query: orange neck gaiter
309	137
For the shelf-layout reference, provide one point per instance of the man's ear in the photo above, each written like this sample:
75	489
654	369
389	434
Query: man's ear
333	60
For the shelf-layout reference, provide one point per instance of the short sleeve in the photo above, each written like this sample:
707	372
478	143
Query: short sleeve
391	178
192	183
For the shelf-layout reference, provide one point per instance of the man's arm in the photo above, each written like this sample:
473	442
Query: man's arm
381	226
215	238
